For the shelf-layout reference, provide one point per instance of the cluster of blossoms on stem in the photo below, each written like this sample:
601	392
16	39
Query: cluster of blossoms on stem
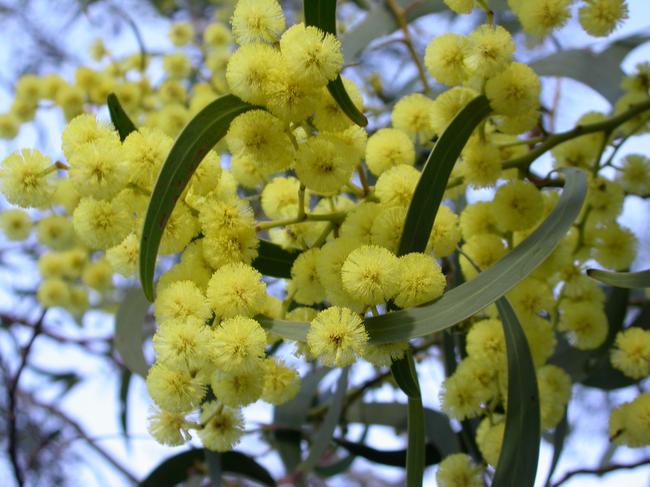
296	171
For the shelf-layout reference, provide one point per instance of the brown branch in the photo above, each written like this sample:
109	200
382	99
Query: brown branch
12	389
82	434
599	472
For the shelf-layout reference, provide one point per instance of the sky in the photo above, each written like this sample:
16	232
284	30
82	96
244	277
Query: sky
94	402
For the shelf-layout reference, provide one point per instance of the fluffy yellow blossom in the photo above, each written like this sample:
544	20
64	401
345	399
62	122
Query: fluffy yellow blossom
337	336
631	352
236	289
420	280
445	57
413	115
250	70
601	17
101	224
491	49
370	274
27	178
458	470
169	428
305	278
182	301
396	185
514	90
16	224
585	323
281	382
388	148
174	390
312	53
518	205
221	426
238	344
257	21
237	388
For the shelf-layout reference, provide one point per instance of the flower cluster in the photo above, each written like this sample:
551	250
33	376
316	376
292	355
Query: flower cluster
295	170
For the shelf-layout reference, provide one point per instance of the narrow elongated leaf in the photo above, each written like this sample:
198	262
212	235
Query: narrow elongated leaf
630	280
433	180
437	427
182	466
128	331
293	414
559	435
326	430
120	119
322	14
465	300
517	464
600	71
380	21
272	260
125	382
394	458
407	379
213	461
197	138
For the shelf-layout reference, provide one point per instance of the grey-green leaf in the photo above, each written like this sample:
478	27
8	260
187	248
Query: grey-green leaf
322	14
120	119
272	260
326	431
380	21
465	300
630	280
128	336
517	464
431	186
600	71
199	136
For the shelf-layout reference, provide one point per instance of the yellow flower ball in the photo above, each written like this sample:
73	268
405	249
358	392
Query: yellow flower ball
337	336
631	352
370	274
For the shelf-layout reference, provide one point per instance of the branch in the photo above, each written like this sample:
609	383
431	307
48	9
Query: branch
12	389
556	139
599	472
82	434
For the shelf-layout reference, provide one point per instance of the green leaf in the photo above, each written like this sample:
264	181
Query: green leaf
293	414
125	383
437	427
272	260
407	379
517	464
128	330
326	430
199	136
120	119
465	300
380	21
559	435
213	461
600	71
182	466
433	180
630	280
322	14
394	458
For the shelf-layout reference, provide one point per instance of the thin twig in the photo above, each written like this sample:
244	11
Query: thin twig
599	472
82	434
400	17
12	389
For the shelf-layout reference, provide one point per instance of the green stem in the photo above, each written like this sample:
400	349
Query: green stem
556	139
